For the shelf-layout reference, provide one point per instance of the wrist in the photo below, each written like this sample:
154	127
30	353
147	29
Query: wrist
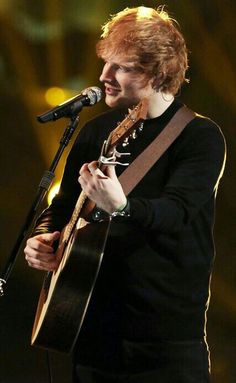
121	207
122	211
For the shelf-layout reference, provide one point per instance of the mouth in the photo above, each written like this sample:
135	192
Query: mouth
111	90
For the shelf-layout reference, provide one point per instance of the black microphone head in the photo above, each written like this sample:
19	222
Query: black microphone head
94	94
73	106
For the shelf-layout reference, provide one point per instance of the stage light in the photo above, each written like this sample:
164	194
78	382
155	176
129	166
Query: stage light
55	96
53	192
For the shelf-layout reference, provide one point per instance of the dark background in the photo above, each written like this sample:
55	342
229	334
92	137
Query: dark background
51	43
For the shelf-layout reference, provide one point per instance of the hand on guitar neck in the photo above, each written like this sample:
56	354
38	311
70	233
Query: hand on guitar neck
102	187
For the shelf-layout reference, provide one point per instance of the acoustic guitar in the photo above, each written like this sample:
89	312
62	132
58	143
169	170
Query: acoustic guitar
66	293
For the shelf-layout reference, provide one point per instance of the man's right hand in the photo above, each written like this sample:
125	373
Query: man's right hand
39	251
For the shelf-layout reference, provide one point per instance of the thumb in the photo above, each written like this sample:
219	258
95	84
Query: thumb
55	235
49	238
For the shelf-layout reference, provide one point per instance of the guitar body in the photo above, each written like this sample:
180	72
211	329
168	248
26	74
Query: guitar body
66	293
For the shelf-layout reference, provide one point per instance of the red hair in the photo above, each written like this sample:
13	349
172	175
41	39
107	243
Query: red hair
151	39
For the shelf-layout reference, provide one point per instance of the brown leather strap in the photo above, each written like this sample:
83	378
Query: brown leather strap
141	165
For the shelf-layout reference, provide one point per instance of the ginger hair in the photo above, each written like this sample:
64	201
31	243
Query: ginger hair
151	40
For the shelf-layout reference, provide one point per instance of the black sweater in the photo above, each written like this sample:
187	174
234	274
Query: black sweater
154	280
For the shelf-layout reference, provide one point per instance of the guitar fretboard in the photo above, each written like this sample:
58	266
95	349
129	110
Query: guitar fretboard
75	216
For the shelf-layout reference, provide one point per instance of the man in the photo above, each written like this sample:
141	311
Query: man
146	318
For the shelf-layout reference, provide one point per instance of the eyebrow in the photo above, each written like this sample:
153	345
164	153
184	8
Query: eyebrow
126	65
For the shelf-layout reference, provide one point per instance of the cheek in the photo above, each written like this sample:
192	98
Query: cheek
141	82
133	84
140	88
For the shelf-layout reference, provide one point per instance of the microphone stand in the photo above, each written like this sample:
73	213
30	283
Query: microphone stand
43	187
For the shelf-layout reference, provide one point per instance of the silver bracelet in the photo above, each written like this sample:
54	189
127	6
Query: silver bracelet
124	212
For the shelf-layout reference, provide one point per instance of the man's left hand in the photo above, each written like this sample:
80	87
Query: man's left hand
102	187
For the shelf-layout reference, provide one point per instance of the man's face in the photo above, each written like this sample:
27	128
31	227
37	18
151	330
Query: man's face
124	85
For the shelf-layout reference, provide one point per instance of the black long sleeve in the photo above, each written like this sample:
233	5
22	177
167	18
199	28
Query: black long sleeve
195	168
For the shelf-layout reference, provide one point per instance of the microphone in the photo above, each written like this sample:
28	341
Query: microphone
73	106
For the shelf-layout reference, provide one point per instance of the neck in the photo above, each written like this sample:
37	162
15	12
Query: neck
158	103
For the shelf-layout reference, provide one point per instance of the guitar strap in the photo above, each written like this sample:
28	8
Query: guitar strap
133	174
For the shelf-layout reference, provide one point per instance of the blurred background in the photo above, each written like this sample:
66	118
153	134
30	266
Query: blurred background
47	55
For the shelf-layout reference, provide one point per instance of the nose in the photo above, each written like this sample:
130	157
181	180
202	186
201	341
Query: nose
107	74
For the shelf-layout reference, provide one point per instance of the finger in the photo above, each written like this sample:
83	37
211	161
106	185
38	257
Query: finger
96	172
43	242
39	252
111	172
85	175
34	245
31	255
84	168
50	238
94	169
93	166
48	261
88	169
46	266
